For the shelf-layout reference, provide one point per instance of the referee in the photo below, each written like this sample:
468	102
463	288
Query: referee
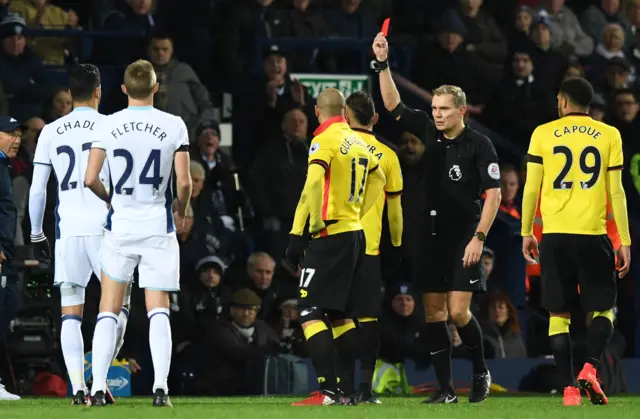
10	136
460	164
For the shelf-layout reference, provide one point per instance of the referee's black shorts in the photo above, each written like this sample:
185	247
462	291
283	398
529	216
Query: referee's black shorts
569	261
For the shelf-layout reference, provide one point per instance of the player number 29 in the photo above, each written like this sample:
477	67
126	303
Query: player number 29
364	162
593	170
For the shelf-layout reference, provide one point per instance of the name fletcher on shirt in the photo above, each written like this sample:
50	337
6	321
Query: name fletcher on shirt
141	127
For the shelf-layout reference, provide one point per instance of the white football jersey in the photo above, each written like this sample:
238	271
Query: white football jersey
64	144
140	143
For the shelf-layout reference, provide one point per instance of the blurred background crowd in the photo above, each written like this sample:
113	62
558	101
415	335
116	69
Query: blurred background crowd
233	63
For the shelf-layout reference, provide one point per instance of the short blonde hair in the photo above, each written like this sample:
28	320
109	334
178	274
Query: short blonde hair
196	166
459	97
140	79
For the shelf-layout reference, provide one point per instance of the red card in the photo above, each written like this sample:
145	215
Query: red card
385	26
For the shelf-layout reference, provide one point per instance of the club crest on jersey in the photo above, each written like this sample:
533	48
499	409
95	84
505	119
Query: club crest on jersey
314	147
455	173
494	171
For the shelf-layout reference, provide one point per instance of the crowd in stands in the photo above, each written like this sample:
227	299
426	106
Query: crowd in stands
238	301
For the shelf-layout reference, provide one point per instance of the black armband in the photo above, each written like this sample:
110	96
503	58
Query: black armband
183	147
378	66
398	111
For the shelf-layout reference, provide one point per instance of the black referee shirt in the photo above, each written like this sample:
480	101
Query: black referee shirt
457	170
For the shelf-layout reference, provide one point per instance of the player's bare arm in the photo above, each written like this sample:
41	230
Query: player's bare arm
618	200
313	188
183	181
388	89
395	218
374	187
473	251
530	197
91	176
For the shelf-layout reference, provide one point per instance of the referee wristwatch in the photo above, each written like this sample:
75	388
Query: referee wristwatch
480	235
378	66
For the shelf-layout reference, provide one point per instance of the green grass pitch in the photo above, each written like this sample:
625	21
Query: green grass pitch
511	407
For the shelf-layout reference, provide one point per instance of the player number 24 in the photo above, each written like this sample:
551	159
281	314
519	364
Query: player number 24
593	170
152	164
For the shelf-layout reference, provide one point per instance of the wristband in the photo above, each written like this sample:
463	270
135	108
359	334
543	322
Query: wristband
378	66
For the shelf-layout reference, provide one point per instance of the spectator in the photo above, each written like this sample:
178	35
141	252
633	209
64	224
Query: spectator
611	46
501	327
289	330
248	20
605	12
598	108
21	71
209	234
41	14
521	27
258	278
306	20
132	16
401	327
448	62
180	92
235	347
616	77
523	100
200	304
483	35
575	69
277	178
275	94
566	34
61	105
219	168
544	57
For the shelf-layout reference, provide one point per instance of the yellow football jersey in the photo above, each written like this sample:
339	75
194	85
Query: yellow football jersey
576	152
347	162
390	166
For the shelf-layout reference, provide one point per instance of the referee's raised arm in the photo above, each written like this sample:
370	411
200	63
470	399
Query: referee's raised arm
413	120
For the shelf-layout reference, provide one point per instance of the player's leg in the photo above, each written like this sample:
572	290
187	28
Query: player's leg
345	338
598	291
118	263
366	299
466	281
325	281
558	296
159	271
71	275
92	248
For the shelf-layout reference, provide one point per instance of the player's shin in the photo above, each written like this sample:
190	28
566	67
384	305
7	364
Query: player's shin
321	351
346	340
471	336
159	337
369	336
561	347
73	347
123	318
599	335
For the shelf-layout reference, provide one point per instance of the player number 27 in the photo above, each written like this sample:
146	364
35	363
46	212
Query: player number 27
65	185
305	277
152	164
593	170
364	162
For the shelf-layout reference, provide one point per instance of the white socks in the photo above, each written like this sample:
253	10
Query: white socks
160	343
73	351
121	327
104	345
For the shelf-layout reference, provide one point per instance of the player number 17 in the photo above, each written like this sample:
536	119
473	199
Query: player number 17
309	273
364	162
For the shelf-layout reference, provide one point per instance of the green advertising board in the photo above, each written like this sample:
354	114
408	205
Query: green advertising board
346	83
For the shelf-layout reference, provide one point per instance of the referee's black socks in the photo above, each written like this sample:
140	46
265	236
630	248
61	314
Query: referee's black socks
561	347
321	351
369	346
439	344
346	340
471	336
599	335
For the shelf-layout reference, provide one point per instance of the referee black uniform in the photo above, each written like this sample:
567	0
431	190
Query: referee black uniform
457	172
